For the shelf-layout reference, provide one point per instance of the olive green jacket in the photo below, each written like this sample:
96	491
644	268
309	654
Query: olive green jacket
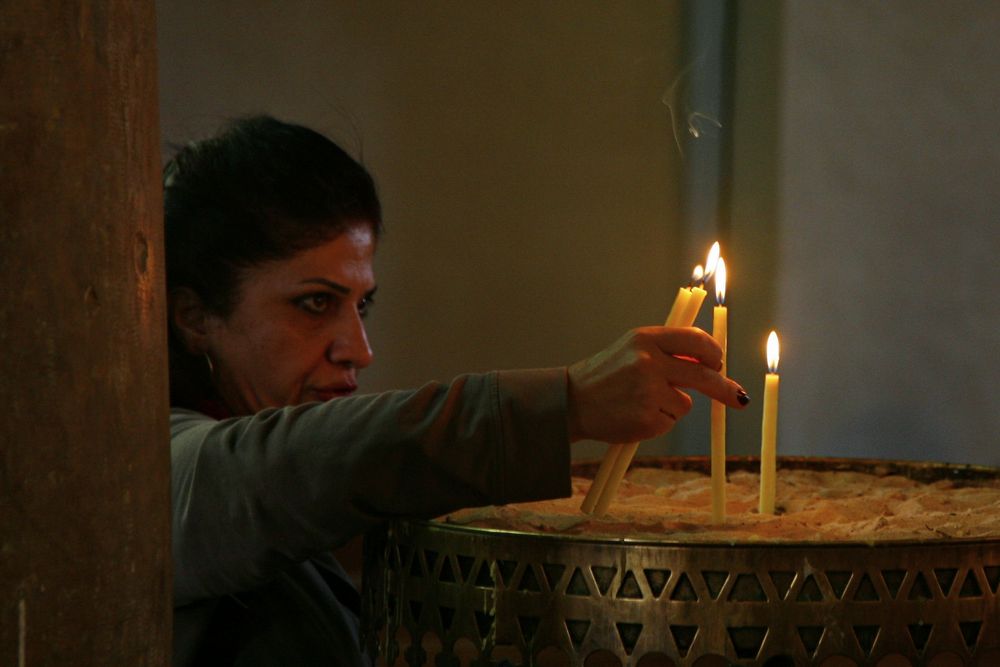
259	501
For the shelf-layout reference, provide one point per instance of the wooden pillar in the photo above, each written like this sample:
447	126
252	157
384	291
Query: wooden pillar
84	461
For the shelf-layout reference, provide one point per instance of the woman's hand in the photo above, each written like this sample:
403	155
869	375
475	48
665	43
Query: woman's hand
629	391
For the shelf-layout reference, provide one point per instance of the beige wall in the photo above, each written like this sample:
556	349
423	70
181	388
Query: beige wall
524	158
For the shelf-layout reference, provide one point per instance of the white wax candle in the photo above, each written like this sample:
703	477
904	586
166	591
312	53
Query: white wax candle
618	457
769	429
720	331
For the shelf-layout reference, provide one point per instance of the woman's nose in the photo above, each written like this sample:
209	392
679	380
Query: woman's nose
350	344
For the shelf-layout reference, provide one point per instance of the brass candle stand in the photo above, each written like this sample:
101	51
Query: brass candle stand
440	594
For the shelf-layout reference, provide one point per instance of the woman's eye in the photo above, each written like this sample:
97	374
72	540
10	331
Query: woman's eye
314	303
365	305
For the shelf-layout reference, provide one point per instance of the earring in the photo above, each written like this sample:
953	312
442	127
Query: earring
211	368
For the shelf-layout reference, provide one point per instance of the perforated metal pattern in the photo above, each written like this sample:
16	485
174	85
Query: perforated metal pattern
516	596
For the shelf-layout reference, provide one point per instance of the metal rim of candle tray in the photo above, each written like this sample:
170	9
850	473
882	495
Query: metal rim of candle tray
441	594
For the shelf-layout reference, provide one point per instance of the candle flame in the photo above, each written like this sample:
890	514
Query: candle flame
720	282
712	261
772	352
698	275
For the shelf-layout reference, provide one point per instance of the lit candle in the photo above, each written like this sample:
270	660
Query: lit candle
720	326
618	457
712	261
681	315
680	306
769	428
698	293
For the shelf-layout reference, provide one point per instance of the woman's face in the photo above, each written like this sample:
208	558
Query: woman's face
297	333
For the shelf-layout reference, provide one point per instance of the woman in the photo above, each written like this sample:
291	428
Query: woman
270	233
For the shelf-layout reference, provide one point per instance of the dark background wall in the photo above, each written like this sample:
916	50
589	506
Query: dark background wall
888	231
521	149
538	202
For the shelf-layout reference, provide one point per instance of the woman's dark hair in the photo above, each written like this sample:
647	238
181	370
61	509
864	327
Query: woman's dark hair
258	191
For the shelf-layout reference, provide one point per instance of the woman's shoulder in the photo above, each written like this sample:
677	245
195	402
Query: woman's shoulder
182	419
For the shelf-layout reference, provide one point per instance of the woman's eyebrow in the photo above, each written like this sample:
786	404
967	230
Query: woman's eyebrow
336	287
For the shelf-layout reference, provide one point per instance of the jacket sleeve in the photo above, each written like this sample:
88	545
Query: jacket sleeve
252	495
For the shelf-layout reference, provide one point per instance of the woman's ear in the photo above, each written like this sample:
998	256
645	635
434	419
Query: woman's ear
189	319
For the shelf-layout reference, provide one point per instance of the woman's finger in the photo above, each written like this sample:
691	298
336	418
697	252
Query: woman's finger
691	375
676	403
689	342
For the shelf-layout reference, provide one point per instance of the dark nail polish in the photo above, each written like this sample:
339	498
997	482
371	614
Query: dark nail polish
742	397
